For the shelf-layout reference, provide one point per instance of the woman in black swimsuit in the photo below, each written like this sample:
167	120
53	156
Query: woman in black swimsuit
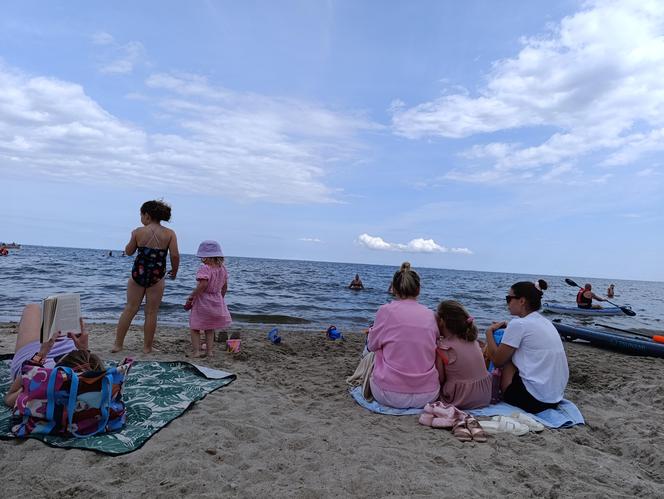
152	242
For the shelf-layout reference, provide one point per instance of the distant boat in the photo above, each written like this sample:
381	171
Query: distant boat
11	245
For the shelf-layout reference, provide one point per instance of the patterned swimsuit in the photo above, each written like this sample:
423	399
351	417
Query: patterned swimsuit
149	265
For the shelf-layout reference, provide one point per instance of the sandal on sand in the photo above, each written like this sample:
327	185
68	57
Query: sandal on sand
505	426
531	423
475	429
426	419
461	433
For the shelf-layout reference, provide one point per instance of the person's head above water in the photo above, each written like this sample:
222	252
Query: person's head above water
158	211
406	282
588	286
542	284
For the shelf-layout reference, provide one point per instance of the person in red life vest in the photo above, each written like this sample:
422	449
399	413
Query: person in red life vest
585	296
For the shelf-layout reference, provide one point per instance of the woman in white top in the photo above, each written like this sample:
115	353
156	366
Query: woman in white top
531	353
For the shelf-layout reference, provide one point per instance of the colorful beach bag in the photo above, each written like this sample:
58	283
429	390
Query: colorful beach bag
61	402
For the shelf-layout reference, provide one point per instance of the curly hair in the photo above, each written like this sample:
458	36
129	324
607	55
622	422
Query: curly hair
157	210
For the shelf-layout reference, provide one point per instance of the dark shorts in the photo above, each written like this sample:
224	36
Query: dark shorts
517	395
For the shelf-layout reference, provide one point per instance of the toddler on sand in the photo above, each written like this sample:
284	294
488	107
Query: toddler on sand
206	301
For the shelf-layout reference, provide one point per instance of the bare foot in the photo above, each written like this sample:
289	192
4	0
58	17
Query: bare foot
198	355
150	350
116	348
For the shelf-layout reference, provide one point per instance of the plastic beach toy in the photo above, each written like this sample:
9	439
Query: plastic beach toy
233	346
273	336
333	334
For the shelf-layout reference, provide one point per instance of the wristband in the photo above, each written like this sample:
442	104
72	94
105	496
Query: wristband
37	359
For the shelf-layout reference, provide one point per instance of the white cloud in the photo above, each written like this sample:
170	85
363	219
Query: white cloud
310	240
102	38
419	245
220	142
592	79
124	58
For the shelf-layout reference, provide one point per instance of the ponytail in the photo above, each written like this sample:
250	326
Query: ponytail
406	282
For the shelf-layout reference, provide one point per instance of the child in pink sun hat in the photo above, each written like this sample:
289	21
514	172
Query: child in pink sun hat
206	301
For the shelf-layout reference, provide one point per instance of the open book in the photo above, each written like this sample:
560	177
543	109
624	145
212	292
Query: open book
60	313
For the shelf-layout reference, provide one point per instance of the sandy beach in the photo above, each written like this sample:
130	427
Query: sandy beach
287	427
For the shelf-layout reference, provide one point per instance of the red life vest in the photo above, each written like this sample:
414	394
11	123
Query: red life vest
582	301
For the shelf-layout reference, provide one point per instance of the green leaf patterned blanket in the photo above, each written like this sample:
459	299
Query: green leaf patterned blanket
155	393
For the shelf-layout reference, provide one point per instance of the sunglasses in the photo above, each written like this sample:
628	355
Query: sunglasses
509	298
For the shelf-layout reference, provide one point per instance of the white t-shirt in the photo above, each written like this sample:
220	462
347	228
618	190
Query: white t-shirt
539	356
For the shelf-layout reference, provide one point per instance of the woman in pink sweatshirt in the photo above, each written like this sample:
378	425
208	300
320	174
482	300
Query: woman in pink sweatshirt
403	339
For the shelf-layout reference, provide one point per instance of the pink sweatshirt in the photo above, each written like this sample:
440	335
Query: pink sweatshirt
403	339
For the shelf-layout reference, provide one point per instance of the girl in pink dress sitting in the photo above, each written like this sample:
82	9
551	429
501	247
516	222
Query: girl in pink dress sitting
464	380
208	308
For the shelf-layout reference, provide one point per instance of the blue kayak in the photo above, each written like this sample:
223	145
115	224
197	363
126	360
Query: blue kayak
622	342
562	309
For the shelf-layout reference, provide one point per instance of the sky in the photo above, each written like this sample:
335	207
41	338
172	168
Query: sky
511	136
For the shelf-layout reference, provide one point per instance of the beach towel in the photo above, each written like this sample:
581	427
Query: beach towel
155	393
563	416
374	406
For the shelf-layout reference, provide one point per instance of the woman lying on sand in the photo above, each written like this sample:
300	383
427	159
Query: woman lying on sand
70	351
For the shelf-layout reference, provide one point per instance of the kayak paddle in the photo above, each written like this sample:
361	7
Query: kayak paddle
626	310
656	338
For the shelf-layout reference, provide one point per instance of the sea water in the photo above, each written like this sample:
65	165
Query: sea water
290	293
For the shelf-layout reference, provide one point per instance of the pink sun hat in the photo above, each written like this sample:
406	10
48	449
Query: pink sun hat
209	249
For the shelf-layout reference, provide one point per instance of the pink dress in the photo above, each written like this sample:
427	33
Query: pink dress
467	383
209	309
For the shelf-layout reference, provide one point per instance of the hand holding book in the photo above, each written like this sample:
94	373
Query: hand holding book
60	313
80	339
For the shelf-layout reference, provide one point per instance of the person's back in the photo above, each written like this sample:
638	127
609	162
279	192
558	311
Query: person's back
465	381
403	339
584	298
153	236
405	347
